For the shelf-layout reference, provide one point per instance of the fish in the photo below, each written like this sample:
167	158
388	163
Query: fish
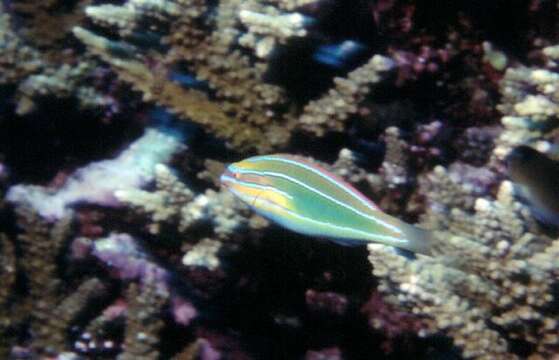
535	177
303	197
340	54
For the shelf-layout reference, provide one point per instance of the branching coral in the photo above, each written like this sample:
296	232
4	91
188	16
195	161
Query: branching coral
7	267
48	22
149	237
234	116
8	276
65	82
530	105
239	106
143	322
174	202
16	59
492	289
49	308
133	168
330	111
38	70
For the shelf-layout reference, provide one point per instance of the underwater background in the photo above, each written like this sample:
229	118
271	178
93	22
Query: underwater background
117	119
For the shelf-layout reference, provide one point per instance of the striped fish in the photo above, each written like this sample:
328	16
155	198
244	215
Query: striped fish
305	198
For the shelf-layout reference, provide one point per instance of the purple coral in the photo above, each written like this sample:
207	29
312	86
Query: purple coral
124	258
392	322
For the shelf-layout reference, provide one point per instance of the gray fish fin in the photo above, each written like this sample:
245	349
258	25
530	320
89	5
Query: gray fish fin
347	242
545	216
408	254
418	240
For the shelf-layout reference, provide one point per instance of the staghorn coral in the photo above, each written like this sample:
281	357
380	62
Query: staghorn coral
8	266
32	61
209	63
8	279
65	81
173	202
45	24
331	110
37	70
143	321
17	60
240	119
239	105
491	289
530	105
133	168
48	306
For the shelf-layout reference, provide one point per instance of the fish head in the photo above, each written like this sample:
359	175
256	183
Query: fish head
522	163
241	173
252	183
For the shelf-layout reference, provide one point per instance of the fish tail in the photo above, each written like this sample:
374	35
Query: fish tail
419	240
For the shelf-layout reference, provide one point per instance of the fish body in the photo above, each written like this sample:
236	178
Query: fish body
305	198
536	181
338	55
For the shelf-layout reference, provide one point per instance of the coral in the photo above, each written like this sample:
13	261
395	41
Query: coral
17	60
239	106
47	23
51	336
51	310
174	202
7	266
163	204
125	259
143	322
326	301
203	254
64	82
392	323
493	281
8	276
32	61
475	146
265	30
242	120
529	104
329	112
133	168
142	256
199	349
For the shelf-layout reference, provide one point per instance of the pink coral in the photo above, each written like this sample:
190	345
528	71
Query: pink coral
391	322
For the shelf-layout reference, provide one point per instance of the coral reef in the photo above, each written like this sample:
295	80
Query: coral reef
97	182
530	104
142	327
117	118
261	120
46	307
47	23
18	60
492	285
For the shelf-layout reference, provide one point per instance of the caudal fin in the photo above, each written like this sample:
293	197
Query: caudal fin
420	241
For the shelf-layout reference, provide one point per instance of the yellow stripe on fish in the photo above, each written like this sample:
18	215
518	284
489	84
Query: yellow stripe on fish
304	197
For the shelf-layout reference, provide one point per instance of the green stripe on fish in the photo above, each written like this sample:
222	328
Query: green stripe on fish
303	197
